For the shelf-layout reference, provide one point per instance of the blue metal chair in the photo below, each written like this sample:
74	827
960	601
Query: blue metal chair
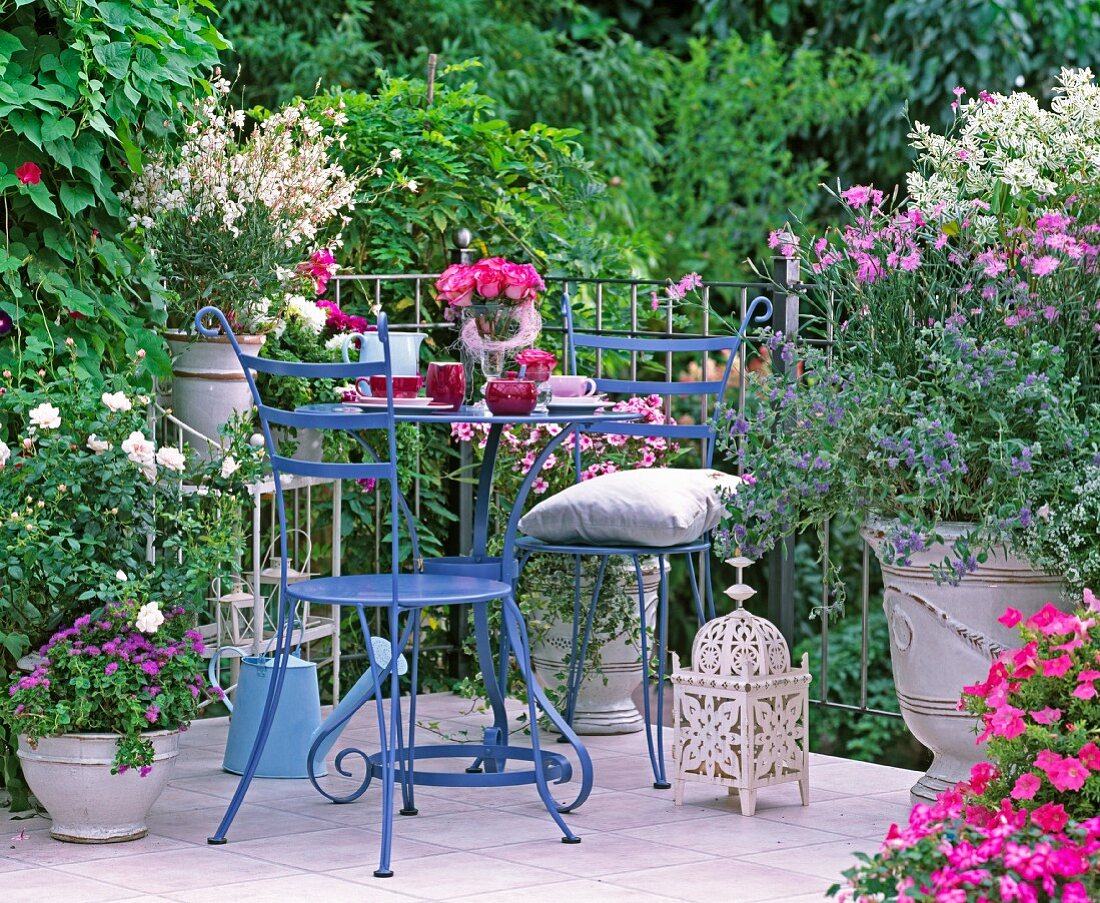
711	347
399	598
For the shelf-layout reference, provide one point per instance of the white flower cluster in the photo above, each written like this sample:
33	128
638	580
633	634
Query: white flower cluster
1010	140
308	312
218	172
149	618
1062	539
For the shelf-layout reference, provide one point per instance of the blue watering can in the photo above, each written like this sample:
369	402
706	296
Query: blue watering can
298	716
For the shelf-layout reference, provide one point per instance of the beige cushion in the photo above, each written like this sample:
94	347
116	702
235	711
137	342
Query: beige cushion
659	506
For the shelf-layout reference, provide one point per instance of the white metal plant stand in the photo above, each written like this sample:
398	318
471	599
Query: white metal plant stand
741	711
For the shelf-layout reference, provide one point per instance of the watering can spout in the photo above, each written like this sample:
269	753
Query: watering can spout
329	731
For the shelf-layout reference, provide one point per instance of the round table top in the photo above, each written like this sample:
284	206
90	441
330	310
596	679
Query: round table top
471	414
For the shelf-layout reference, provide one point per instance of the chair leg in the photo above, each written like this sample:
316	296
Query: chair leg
661	783
644	643
408	800
388	746
579	656
708	585
700	616
284	632
517	631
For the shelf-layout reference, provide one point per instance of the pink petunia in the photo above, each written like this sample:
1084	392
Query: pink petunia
1051	817
1046	716
1056	667
1026	786
1089	754
1069	774
1011	617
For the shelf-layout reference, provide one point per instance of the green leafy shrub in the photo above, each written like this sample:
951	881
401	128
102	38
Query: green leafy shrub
83	87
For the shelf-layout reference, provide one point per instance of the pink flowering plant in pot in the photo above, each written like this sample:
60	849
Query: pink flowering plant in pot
127	668
1025	826
545	590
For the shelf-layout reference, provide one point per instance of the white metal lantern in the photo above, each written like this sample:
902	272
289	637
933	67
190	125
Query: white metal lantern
741	711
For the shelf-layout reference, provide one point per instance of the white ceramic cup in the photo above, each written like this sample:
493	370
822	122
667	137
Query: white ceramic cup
572	386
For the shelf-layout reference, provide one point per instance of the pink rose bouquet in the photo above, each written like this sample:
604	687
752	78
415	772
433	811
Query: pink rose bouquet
490	279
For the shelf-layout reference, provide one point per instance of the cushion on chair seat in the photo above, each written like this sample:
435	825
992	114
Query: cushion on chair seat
658	507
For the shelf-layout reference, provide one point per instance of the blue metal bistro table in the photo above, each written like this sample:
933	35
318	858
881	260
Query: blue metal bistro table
489	759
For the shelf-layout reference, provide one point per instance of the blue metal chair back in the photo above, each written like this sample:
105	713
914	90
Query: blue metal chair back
382	469
710	347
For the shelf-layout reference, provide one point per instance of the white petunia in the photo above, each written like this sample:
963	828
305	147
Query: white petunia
230	466
308	312
116	401
97	445
172	458
5	454
121	575
45	416
149	618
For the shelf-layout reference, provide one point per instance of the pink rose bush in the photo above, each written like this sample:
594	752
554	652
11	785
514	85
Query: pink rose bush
1026	826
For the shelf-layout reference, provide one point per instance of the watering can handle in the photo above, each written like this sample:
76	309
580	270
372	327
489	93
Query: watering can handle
214	659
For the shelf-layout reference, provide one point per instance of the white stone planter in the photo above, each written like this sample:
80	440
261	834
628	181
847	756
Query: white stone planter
308	444
208	384
944	637
604	699
71	776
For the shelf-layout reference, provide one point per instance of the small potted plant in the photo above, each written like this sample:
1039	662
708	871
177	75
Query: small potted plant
229	213
99	717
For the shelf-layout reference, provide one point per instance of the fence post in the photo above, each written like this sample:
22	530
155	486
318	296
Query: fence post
462	252
785	316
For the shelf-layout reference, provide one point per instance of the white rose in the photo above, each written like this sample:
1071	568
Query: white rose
116	401
138	449
149	618
172	458
46	416
395	153
230	466
97	445
5	454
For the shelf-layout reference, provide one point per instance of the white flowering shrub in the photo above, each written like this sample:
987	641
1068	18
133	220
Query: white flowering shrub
232	209
1063	537
1008	161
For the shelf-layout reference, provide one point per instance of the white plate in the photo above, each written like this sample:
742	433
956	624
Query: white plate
578	403
369	401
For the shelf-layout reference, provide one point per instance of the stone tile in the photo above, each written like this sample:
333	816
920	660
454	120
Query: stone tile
42	850
781	796
455	875
732	835
222	784
35	885
846	776
12	865
714	880
851	816
625	773
251	822
328	888
338	848
598	855
822	860
485	829
176	870
576	891
619	811
367	811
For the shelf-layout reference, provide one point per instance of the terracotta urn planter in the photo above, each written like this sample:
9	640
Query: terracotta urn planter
208	384
71	776
945	637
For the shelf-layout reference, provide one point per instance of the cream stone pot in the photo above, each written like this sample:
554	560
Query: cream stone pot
945	637
208	384
604	698
71	776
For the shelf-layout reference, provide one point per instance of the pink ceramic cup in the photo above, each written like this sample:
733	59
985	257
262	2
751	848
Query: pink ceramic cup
572	386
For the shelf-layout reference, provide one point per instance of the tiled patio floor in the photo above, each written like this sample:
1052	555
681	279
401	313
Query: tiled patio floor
492	846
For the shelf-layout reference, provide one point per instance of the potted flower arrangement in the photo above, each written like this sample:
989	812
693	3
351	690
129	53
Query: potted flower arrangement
613	668
99	717
229	213
83	487
1025	825
494	301
956	405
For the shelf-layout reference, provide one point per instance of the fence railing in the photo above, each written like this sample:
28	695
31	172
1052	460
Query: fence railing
625	307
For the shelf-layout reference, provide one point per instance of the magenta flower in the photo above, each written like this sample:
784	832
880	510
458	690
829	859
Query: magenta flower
1026	786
